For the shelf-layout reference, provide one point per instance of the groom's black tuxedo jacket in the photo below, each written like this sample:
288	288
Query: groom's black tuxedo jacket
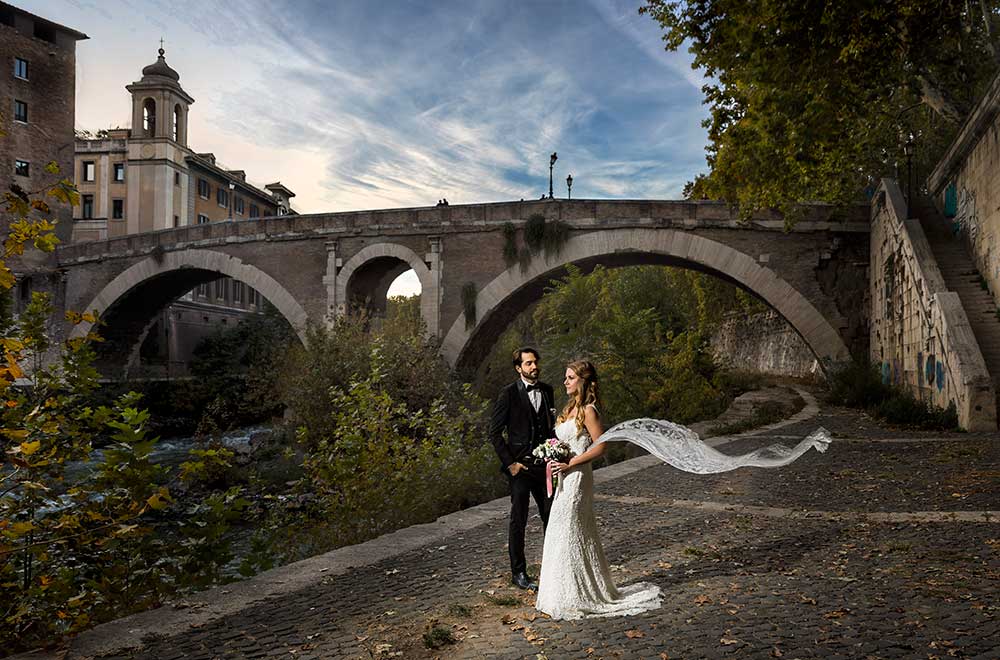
514	413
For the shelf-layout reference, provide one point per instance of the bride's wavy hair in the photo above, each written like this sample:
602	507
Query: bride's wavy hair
586	394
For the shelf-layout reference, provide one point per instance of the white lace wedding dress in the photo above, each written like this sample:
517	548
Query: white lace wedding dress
576	579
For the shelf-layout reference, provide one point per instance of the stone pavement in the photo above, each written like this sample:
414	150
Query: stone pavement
880	548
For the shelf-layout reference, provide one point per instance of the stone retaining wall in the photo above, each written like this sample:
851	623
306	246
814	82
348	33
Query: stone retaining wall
763	343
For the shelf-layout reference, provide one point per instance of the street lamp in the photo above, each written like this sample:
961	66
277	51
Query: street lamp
908	151
232	194
552	161
569	186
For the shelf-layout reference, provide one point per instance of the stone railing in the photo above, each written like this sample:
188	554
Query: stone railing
475	217
920	334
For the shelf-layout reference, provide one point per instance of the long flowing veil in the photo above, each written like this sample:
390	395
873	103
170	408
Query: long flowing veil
681	447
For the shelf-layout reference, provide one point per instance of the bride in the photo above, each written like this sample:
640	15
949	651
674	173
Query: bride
575	579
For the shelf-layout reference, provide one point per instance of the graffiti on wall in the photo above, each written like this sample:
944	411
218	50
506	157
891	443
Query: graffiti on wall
966	219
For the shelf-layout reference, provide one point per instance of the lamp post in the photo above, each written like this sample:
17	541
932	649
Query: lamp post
569	186
232	194
908	151
552	161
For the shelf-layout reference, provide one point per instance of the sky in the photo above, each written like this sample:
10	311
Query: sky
363	105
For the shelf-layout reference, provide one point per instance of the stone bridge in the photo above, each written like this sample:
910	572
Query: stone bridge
311	267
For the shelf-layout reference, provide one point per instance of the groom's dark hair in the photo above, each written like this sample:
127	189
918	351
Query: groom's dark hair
522	350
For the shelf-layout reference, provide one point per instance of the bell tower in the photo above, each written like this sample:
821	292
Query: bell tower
159	103
158	181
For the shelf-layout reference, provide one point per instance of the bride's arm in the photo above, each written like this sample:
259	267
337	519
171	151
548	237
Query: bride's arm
595	428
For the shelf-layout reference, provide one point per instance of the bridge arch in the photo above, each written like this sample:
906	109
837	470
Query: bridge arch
513	290
128	303
366	277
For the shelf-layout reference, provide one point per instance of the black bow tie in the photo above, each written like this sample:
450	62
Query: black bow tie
532	387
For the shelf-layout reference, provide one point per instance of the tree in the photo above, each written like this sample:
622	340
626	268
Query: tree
814	100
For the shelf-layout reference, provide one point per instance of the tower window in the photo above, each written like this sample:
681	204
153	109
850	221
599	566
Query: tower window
20	111
177	178
22	167
20	68
88	170
88	206
117	209
149	117
119	171
177	124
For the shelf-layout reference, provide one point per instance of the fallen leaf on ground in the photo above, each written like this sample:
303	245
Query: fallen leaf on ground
728	641
776	652
508	619
632	634
702	599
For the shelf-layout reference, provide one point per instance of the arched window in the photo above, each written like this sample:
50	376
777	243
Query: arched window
149	117
178	124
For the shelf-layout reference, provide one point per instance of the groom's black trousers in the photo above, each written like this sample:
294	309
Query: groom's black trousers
528	481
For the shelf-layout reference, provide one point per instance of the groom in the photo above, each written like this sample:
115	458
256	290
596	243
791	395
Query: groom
525	410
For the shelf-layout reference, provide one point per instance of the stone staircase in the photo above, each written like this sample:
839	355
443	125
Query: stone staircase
961	276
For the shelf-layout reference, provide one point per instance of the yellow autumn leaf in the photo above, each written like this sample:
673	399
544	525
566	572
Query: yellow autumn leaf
21	528
29	448
160	499
15	434
13	366
11	344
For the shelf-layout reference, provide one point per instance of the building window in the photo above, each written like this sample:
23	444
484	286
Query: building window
175	133
20	68
237	292
220	288
20	111
117	209
22	167
203	290
238	203
204	190
119	171
254	211
88	170
149	117
177	221
203	219
222	197
177	178
88	206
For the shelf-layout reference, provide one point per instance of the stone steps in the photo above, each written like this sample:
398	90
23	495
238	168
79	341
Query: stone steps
961	276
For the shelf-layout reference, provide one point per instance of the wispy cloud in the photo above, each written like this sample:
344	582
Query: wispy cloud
357	106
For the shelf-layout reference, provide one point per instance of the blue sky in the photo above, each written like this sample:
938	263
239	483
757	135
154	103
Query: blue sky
372	105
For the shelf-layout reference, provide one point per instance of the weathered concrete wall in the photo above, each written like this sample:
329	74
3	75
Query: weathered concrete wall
970	168
920	334
763	343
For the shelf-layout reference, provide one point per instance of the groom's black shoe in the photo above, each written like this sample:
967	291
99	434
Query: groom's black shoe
522	580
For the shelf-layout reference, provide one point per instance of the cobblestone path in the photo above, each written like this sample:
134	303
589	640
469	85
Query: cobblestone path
876	549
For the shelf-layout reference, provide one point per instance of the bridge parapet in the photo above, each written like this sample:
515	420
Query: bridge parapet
464	218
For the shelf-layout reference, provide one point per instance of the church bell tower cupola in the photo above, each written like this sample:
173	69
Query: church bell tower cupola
159	103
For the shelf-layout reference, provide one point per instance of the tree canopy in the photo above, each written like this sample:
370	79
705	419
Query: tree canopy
815	100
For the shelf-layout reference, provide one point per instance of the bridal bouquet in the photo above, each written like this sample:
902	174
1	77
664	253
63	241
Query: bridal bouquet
552	449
